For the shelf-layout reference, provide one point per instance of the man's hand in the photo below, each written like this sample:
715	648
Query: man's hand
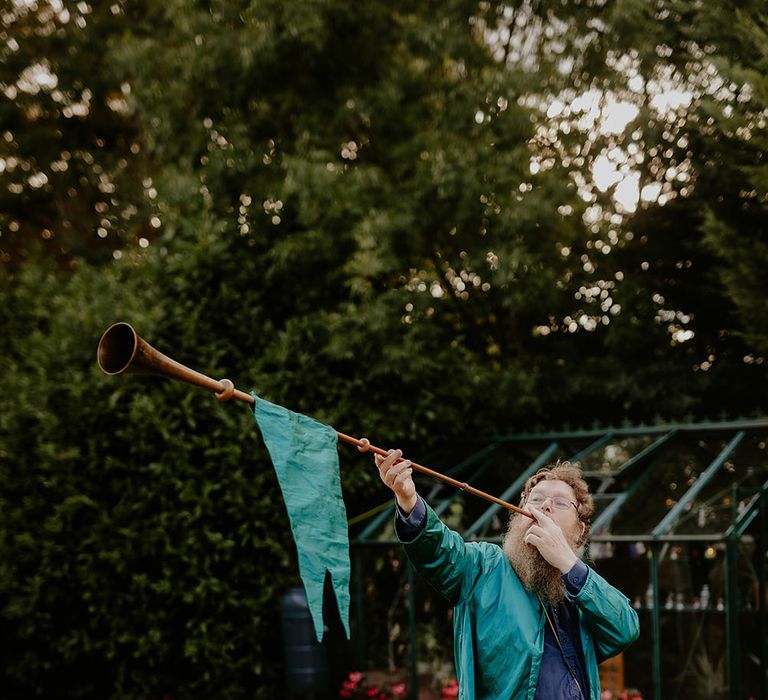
397	475
545	534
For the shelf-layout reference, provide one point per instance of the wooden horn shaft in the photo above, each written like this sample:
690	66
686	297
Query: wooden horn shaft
122	351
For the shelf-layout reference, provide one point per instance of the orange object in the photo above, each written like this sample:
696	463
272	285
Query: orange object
612	674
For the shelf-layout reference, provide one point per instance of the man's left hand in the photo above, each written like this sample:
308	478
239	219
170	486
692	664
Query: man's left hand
545	534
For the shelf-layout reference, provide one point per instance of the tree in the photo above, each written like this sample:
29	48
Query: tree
72	156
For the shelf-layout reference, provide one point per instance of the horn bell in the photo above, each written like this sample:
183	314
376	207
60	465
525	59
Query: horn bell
117	349
122	350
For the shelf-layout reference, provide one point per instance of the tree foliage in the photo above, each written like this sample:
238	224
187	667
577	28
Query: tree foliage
388	216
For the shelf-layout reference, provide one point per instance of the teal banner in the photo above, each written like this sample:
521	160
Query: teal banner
305	456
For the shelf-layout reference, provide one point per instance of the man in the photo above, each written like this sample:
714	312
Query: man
531	620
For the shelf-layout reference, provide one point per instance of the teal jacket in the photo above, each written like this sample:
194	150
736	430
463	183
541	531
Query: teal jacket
498	626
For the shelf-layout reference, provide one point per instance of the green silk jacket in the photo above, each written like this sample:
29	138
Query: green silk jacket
498	626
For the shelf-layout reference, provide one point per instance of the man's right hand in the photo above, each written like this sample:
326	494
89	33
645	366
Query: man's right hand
397	475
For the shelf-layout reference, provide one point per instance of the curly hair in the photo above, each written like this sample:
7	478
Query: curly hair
571	474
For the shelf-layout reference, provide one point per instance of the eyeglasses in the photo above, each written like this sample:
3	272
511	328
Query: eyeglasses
537	500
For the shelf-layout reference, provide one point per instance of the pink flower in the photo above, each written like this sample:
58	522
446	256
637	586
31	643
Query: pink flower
452	691
373	692
399	690
355	677
606	695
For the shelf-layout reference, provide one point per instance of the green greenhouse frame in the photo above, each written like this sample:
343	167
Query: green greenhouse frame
658	489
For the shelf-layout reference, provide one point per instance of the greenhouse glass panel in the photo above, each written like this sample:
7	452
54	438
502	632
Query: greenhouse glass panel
609	459
663	483
722	499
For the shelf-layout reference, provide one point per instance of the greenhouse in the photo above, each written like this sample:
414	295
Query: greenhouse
679	527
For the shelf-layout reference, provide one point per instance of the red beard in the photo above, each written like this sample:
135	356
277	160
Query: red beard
536	573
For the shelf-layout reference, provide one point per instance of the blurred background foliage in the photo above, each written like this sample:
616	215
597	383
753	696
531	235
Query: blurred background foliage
419	222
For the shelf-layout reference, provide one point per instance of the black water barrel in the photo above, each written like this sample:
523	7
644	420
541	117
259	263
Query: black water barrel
306	661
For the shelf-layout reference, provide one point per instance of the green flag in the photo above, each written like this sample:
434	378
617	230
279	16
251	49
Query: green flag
306	460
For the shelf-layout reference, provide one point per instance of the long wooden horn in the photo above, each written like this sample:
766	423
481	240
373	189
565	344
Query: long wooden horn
122	350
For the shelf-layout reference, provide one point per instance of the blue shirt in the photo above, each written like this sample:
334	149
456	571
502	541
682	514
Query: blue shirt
556	682
555	678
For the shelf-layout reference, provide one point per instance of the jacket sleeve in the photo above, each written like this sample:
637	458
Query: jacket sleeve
443	559
609	616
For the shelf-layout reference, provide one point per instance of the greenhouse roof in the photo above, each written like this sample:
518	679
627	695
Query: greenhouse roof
687	481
